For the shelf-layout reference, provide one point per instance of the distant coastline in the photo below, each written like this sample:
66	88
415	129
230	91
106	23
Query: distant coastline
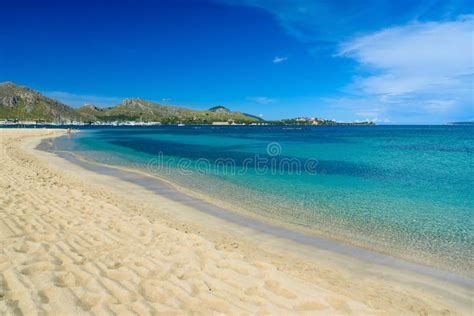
462	123
23	106
20	123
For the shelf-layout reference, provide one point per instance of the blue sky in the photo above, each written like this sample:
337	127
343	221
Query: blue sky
397	62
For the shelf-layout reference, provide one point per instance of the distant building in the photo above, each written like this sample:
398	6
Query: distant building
220	123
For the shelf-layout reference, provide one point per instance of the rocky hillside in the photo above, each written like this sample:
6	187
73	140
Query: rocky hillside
219	109
22	103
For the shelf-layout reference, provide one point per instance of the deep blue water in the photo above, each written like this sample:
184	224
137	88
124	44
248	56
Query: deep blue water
401	190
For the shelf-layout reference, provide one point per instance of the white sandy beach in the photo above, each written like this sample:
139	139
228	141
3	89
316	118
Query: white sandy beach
75	242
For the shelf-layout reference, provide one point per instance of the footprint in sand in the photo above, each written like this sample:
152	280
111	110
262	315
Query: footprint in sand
3	288
89	299
71	279
38	267
310	306
339	304
152	290
119	275
49	294
275	287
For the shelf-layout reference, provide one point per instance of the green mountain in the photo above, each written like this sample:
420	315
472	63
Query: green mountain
141	110
22	103
89	112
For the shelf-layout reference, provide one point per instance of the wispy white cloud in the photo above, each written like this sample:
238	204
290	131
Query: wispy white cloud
77	100
419	68
415	56
279	59
262	100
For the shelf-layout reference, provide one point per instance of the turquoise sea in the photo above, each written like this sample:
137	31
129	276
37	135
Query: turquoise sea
406	191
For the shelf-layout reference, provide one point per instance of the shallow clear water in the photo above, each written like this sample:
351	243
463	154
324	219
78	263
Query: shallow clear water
400	190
